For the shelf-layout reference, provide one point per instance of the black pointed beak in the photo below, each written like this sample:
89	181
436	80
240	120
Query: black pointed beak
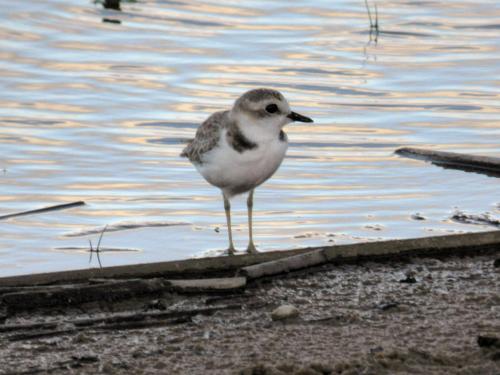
294	116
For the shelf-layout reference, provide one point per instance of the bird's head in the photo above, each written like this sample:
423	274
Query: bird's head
266	109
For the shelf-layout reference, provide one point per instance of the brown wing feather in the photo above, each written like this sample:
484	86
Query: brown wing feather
206	137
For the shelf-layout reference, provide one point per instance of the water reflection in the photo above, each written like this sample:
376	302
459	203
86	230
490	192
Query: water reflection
99	112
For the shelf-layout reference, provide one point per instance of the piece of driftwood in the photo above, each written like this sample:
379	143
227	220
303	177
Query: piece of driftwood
44	209
456	244
151	315
295	262
30	335
30	326
41	334
25	299
79	294
36	288
144	324
135	320
473	163
217	285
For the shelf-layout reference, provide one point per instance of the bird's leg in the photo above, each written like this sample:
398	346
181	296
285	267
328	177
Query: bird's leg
227	208
251	247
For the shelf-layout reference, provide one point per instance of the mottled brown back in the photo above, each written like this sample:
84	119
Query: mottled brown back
206	137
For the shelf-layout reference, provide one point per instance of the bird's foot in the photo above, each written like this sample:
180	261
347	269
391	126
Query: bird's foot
251	249
230	250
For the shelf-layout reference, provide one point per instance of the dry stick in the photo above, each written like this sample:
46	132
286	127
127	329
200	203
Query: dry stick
45	209
485	164
216	285
372	24
369	13
285	265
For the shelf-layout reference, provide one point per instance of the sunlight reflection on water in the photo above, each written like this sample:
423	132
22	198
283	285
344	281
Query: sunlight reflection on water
98	111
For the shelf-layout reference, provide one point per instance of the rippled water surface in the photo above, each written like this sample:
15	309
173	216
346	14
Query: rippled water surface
96	104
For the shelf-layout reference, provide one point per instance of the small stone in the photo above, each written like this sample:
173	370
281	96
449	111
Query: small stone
496	263
156	304
377	349
285	312
387	306
408	280
160	365
488	341
107	368
176	339
495	356
322	368
418	216
197	349
85	358
137	353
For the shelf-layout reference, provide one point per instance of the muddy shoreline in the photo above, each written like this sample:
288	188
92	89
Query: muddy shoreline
420	315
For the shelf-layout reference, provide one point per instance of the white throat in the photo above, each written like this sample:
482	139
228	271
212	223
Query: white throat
259	131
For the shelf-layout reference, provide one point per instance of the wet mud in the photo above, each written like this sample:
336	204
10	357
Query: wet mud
423	315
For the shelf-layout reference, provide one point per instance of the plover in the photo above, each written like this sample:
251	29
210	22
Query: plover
238	150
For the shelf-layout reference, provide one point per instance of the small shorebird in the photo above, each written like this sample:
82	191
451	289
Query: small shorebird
238	150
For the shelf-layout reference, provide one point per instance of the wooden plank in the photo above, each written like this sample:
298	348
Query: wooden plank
228	265
187	268
460	244
474	163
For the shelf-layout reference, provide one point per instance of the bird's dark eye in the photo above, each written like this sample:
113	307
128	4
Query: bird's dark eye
272	108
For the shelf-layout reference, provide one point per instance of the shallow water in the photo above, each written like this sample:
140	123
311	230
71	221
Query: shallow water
98	111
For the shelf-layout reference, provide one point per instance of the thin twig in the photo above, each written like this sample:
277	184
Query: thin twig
91	251
374	26
100	237
369	13
44	209
97	249
98	246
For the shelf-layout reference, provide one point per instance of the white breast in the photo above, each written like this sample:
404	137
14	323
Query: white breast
236	172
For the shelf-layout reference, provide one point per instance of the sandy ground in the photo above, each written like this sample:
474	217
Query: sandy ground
354	319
